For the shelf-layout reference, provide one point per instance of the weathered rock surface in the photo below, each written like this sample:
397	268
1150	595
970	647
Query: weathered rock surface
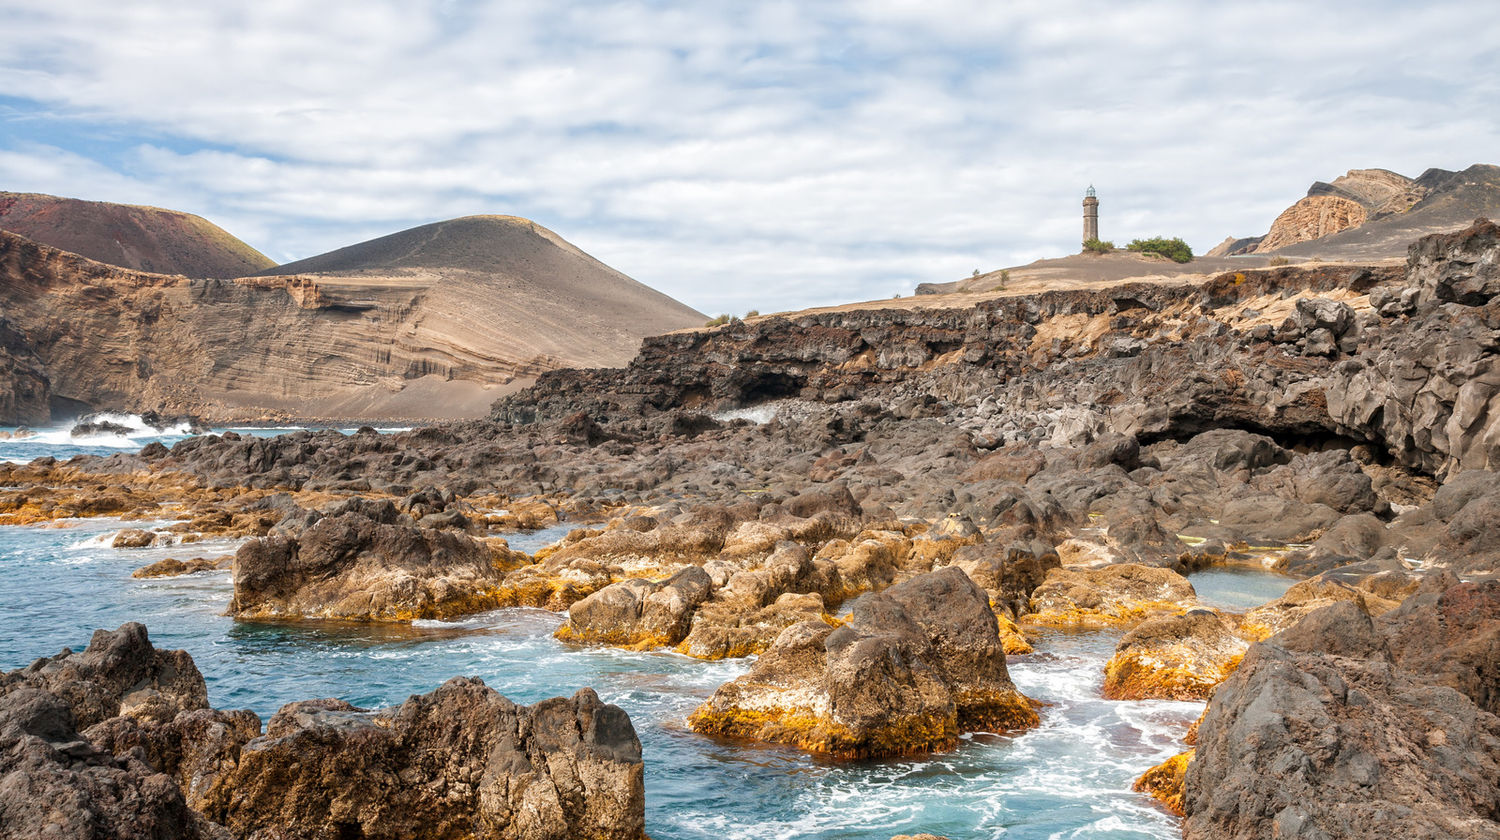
55	783
1178	657
172	567
916	665
638	612
119	673
366	561
1312	217
1113	595
461	761
118	742
1305	597
1322	733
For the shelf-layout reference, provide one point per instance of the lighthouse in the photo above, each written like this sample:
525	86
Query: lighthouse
1090	215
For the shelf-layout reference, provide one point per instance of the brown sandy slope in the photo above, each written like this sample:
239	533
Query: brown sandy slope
129	236
501	289
410	341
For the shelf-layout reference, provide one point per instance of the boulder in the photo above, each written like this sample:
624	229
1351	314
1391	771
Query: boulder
1125	593
1175	657
120	673
1164	782
915	666
55	783
639	613
1010	573
1320	734
365	561
1302	598
172	567
459	761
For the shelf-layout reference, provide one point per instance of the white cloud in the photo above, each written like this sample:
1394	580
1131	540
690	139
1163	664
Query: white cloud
737	156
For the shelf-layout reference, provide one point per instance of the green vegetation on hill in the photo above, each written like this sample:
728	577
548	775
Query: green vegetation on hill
1098	246
1173	249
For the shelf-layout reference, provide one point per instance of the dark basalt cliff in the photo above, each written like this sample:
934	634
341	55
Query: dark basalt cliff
1403	360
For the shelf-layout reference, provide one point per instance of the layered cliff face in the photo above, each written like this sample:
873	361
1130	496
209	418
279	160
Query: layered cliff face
427	341
130	236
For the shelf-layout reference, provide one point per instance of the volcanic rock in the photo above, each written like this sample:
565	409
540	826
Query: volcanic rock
459	761
1321	734
639	613
366	561
1179	657
120	673
1119	594
916	665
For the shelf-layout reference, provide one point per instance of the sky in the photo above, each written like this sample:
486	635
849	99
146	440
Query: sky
740	155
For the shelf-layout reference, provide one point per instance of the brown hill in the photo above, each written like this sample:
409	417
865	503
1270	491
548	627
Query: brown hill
391	330
1373	214
130	236
507	285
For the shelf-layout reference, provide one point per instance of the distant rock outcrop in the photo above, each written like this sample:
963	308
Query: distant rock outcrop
1374	213
130	236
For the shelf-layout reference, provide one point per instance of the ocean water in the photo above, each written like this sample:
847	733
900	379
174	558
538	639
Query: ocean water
1069	778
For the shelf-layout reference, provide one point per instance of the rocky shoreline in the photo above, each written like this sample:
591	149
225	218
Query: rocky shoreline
927	484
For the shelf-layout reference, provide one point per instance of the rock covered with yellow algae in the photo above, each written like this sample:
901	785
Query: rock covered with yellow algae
1124	593
366	561
1178	657
915	666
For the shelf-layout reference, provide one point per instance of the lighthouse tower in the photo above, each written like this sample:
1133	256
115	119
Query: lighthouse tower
1090	215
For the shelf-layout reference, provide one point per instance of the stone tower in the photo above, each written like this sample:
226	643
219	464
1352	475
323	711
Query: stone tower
1090	215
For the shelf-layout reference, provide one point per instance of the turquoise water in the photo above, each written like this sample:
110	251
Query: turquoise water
1233	588
1069	778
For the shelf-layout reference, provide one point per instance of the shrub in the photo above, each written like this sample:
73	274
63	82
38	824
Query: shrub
1098	246
1173	249
754	313
1276	262
718	321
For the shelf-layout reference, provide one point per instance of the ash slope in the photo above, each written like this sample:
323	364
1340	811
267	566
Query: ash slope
509	283
130	236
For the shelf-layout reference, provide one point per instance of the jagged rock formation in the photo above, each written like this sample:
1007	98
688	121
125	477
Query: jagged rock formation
420	339
916	665
460	761
1151	361
1344	726
364	561
119	742
1369	214
129	236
